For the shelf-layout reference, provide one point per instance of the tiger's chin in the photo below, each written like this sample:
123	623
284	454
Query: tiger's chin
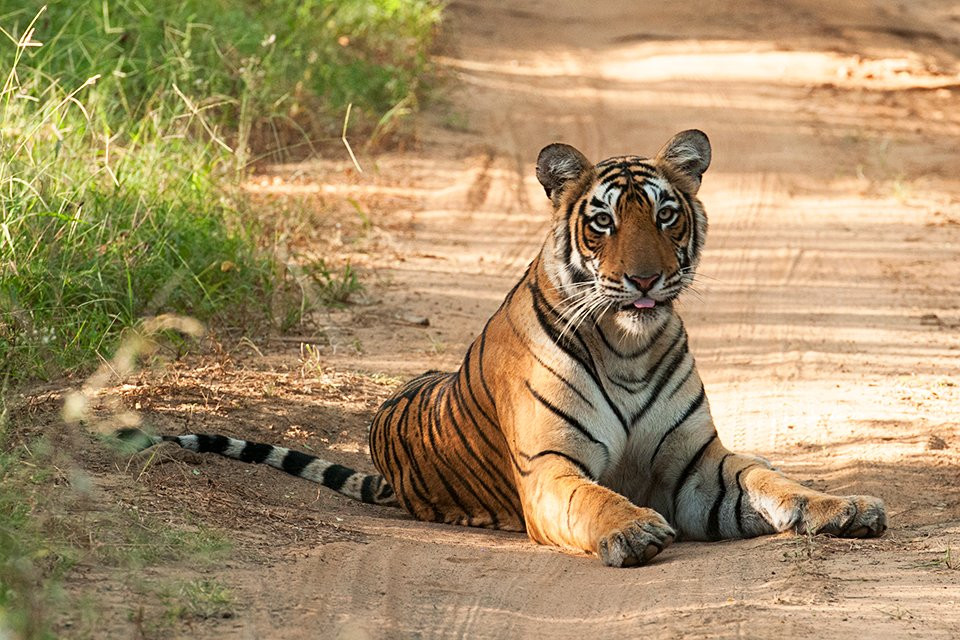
636	321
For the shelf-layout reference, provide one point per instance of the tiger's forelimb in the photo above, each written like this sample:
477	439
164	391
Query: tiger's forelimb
368	488
714	495
565	508
749	498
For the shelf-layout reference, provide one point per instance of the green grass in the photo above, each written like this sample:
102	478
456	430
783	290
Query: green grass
297	62
124	129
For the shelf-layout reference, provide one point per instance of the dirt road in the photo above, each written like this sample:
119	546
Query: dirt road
826	327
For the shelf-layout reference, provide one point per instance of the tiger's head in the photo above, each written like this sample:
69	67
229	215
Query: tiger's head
628	231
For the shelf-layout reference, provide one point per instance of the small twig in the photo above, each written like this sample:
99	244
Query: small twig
343	138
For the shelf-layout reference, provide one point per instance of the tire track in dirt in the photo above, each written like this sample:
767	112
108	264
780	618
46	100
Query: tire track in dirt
753	196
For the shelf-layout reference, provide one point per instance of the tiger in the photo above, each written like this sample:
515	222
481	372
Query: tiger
577	415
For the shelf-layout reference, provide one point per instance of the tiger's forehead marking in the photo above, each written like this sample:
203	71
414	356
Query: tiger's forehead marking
605	196
630	174
659	192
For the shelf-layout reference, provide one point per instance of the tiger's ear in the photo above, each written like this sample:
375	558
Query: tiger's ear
688	151
558	164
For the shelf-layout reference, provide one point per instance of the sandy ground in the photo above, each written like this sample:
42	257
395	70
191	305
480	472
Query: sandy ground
826	326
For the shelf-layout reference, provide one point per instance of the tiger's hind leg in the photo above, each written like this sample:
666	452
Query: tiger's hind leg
727	495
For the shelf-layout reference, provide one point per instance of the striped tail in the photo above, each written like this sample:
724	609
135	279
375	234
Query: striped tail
369	488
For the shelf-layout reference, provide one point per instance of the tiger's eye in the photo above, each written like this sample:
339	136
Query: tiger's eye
667	216
603	220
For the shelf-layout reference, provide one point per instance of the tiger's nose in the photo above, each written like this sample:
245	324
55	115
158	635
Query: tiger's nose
644	283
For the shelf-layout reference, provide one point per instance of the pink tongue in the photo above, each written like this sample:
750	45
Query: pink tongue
644	303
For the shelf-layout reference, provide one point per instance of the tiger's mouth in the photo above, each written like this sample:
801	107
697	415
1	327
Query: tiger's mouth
643	303
642	306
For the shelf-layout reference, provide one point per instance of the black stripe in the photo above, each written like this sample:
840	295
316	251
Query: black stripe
691	212
591	370
570	504
469	384
638	384
566	417
384	428
255	452
738	508
694	461
464	409
639	194
713	522
682	381
566	246
450	492
335	475
483	378
390	458
613	349
431	428
502	487
670	367
483	412
212	444
384	491
691	408
436	408
366	489
642	171
296	461
482	502
386	459
543	364
663	371
542	309
394	438
581	223
552	452
375	439
586	242
608	172
514	288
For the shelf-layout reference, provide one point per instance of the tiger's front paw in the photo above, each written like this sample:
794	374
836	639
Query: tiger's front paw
845	517
636	543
